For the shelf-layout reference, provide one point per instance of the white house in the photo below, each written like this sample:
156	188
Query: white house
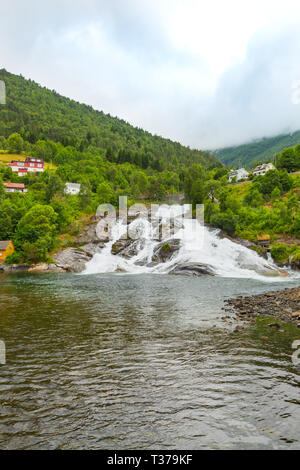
72	188
262	169
239	174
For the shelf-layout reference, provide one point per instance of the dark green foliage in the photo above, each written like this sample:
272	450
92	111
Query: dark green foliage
289	159
248	155
227	221
40	114
54	186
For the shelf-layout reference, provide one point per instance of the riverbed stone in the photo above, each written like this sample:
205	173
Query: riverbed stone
283	305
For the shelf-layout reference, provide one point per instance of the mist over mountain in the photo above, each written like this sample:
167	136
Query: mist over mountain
248	154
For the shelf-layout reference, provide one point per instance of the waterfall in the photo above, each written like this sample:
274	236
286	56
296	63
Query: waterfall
197	244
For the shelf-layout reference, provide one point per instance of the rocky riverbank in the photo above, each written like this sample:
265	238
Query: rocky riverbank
282	305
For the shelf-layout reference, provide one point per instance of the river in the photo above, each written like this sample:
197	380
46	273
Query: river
142	361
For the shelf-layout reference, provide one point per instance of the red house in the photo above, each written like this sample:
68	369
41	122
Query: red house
30	164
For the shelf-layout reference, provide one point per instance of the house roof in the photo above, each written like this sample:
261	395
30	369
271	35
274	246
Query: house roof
263	166
262	238
4	244
14	185
73	185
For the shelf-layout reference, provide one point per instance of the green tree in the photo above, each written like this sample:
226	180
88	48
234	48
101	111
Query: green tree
36	232
288	159
275	194
105	194
2	190
15	143
55	185
193	173
227	221
85	195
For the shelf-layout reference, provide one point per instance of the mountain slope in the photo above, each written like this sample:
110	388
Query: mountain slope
38	113
261	150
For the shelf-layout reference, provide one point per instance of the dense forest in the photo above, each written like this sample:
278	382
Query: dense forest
37	113
262	150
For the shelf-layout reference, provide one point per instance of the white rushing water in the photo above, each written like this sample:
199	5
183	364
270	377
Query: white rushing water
198	244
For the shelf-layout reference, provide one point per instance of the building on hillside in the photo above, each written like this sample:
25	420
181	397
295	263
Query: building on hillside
263	240
262	169
22	171
6	248
15	187
239	174
29	165
72	188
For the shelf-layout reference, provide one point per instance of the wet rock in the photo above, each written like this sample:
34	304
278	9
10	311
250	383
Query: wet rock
238	328
120	245
283	305
274	325
14	268
128	248
295	263
92	249
193	269
72	260
165	250
46	268
88	235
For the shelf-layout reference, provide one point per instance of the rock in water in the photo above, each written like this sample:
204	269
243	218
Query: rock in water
193	269
165	250
72	260
127	248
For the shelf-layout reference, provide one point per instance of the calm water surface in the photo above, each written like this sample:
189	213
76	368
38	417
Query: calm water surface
141	361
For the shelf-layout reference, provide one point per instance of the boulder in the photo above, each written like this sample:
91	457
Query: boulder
128	248
165	250
98	231
92	248
45	268
295	263
72	259
14	268
89	235
193	269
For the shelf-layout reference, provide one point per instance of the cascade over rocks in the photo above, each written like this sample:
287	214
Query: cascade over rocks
165	250
127	248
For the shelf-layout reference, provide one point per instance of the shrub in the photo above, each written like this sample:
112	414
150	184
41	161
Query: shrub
14	258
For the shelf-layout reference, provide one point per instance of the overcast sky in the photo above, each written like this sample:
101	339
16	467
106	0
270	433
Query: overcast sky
206	73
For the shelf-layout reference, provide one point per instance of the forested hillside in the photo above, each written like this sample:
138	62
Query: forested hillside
259	151
106	156
40	114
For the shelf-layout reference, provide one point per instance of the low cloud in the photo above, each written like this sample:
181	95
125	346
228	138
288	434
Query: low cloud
121	57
